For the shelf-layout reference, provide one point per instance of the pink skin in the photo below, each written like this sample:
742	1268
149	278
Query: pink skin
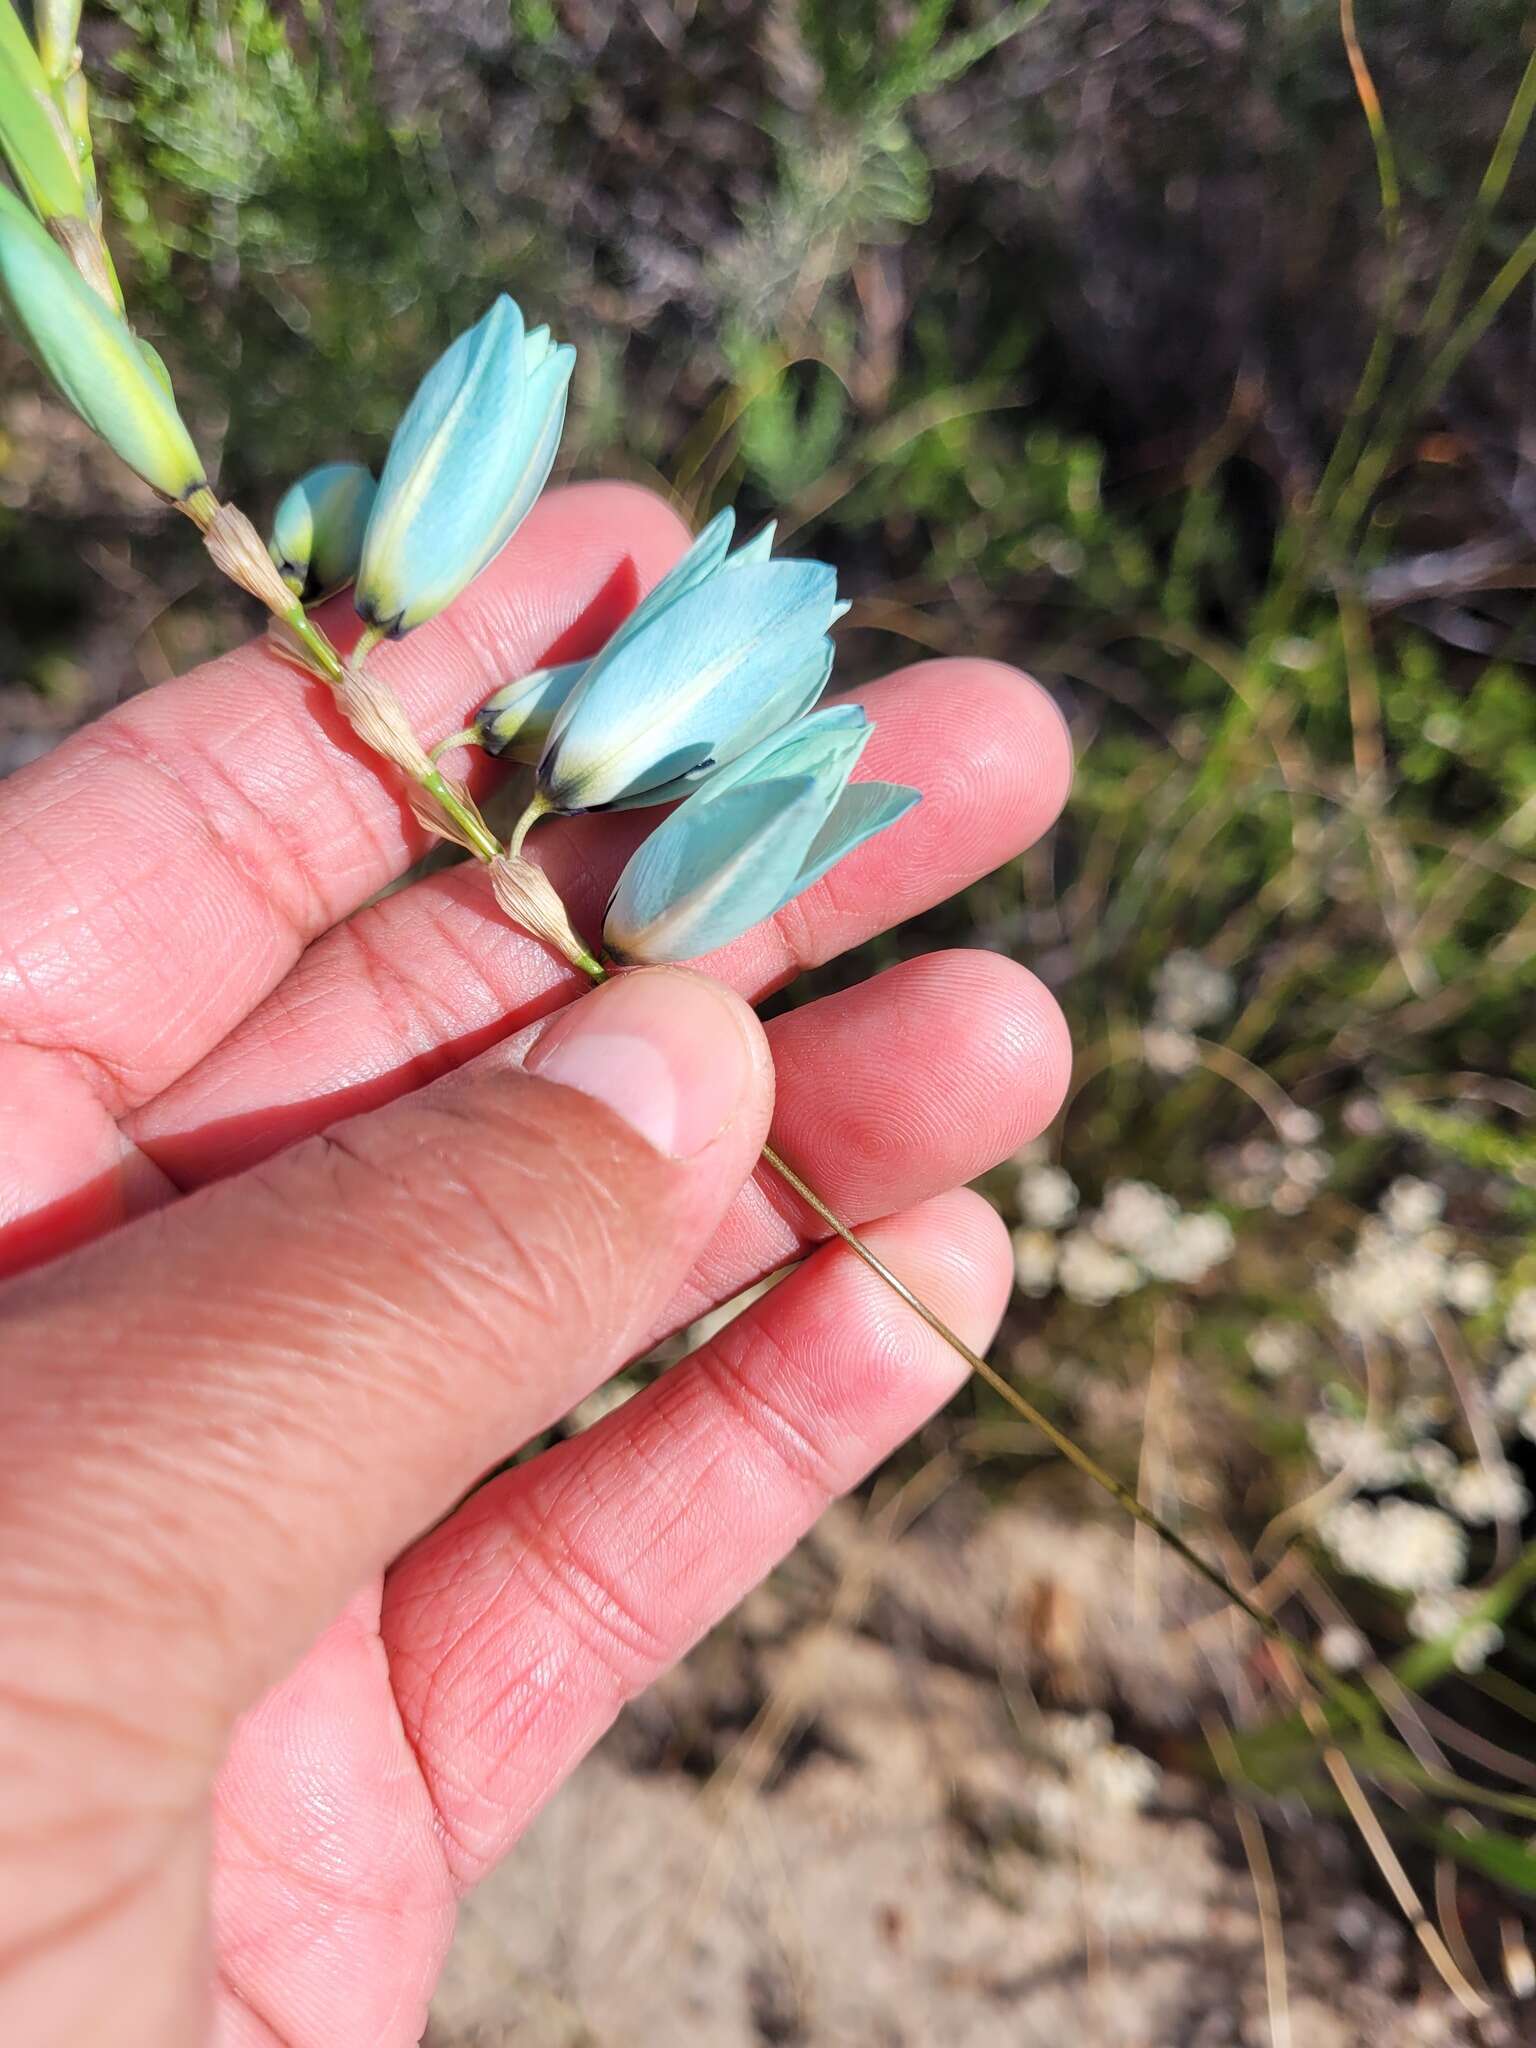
237	1671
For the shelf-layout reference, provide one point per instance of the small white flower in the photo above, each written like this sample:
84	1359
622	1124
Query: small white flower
1469	1285
1299	1126
1294	652
1363	1117
1047	1197
1348	1443
1485	1493
1190	1248
1432	1463
1091	1272
1434	1615
1277	1347
1034	1261
1135	1216
1387	1285
1308	1167
1191	992
1520	1318
1397	1543
1119	1778
1411	1206
1167	1050
1342	1648
1514	1391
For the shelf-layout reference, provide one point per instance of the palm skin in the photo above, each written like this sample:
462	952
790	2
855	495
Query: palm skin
268	1729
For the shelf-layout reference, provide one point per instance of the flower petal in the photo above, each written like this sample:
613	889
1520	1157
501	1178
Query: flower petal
666	701
468	460
861	811
515	720
318	527
710	872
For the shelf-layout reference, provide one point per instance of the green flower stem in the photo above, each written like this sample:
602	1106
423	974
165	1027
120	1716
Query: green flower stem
316	643
478	836
539	806
467	738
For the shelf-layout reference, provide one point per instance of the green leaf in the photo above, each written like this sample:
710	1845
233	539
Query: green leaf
1496	1855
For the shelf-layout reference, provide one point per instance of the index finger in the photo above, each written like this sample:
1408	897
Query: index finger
175	858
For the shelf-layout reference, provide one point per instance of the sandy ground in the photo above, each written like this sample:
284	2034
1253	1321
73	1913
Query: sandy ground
911	1795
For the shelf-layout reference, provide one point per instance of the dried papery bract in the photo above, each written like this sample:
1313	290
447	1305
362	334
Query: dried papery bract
378	718
530	899
239	551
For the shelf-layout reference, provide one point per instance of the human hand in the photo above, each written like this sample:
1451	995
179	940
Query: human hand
258	1730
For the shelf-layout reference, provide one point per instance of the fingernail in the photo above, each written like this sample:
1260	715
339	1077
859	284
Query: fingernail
667	1052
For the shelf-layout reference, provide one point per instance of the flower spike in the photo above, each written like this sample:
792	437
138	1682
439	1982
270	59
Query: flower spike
467	462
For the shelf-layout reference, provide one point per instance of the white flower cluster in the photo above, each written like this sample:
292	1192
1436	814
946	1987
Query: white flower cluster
1402	1266
1434	1615
1277	1347
1520	1319
1371	1457
1514	1393
1259	1174
1189	992
1491	1491
1138	1234
1397	1543
1047	1196
1097	1779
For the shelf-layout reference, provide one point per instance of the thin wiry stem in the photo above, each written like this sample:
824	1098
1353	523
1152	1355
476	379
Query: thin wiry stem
1342	1695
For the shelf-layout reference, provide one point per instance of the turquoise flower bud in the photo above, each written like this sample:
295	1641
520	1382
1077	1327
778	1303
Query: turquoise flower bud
318	527
469	458
749	840
724	651
93	358
33	137
515	720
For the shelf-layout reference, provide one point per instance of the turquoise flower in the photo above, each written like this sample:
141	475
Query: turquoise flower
515	720
724	651
748	840
318	527
469	458
96	362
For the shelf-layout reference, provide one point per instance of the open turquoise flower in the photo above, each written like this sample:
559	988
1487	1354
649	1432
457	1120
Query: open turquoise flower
750	839
727	649
318	528
469	458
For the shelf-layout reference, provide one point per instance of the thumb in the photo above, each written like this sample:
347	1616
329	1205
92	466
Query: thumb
215	1425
